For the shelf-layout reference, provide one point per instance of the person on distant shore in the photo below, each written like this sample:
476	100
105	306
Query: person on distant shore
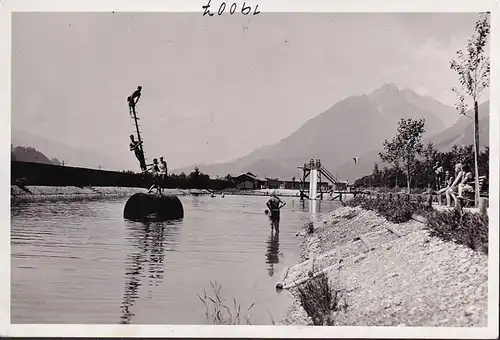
275	204
446	185
464	184
155	172
438	171
163	170
135	147
134	98
450	193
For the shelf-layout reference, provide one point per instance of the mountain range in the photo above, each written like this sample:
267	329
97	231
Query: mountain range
71	156
460	133
353	127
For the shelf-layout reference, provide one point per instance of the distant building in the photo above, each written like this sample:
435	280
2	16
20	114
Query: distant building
249	181
341	186
298	184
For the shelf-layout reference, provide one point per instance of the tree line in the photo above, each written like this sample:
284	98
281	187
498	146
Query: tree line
198	180
194	180
422	169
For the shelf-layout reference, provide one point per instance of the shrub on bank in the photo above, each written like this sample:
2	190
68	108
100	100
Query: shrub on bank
320	300
396	211
468	229
309	226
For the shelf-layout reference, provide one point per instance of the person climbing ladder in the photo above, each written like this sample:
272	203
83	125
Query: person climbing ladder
133	99
135	146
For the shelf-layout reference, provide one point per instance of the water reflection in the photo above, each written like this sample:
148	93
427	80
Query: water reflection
197	201
149	241
273	252
122	263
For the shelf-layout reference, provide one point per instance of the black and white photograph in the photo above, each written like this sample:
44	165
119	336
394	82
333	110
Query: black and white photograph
247	164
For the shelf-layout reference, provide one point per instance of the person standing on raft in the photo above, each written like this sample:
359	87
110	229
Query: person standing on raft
155	171
163	170
135	146
133	99
275	204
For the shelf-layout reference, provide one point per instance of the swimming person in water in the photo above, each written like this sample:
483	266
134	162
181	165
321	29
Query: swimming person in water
275	204
135	147
155	171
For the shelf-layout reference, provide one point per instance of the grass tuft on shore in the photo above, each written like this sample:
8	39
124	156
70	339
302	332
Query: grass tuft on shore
320	300
218	312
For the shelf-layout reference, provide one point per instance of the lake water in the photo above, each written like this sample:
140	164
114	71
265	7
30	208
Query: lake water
81	262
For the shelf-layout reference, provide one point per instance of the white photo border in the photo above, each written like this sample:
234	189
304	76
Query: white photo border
265	6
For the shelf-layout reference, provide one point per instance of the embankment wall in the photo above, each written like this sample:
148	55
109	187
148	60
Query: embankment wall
56	175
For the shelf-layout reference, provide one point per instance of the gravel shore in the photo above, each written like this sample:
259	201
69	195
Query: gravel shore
410	279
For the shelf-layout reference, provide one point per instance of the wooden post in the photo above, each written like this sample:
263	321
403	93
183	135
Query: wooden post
483	205
476	154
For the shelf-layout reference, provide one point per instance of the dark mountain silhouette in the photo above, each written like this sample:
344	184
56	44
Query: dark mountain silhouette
348	129
72	156
29	154
460	133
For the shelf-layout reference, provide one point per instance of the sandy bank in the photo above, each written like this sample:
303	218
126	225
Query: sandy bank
403	277
49	193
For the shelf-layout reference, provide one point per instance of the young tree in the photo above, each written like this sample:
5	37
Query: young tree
473	69
405	146
377	176
430	156
463	154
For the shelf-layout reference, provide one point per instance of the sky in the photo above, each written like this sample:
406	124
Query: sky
215	88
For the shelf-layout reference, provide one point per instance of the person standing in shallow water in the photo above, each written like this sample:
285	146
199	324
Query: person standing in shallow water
275	204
